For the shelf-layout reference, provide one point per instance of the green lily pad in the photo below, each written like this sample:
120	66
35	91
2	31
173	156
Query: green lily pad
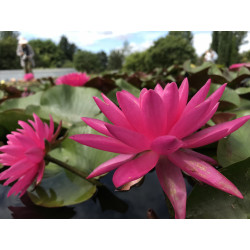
242	74
236	147
1	94
242	90
66	103
21	102
229	100
216	75
206	202
124	85
60	187
9	119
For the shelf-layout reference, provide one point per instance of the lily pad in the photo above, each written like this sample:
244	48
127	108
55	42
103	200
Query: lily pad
229	100
21	102
124	85
236	147
66	103
206	202
60	187
9	119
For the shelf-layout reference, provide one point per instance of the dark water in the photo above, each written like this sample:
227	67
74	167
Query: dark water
105	204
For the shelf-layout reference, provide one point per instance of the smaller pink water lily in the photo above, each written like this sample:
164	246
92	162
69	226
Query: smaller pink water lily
28	77
158	130
73	79
239	65
24	153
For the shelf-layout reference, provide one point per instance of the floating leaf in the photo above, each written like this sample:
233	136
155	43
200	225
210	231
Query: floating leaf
206	202
66	103
60	187
124	85
229	99
236	147
21	102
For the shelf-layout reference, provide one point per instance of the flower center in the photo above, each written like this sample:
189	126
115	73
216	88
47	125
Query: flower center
166	144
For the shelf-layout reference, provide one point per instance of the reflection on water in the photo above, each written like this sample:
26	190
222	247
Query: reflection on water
106	203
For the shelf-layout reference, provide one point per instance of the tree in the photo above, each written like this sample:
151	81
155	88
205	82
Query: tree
47	53
183	34
86	61
135	62
226	44
172	49
67	48
6	34
103	61
115	59
215	41
8	46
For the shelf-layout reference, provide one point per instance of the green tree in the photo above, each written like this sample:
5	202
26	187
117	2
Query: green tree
215	41
8	46
67	48
103	61
47	53
184	34
115	59
86	61
172	49
6	34
226	44
135	62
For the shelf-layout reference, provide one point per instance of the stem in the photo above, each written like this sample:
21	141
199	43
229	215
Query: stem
73	170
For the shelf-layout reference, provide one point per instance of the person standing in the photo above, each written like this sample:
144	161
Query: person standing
210	56
26	53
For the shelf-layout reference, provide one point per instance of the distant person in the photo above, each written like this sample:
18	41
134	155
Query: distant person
26	53
210	56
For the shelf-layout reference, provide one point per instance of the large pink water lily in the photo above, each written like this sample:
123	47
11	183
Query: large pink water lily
25	154
158	129
73	79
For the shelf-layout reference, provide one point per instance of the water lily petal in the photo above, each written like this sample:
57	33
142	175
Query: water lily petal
204	172
155	120
215	97
185	125
199	97
132	111
136	168
103	143
166	144
215	133
171	101
111	164
173	184
97	125
183	96
129	137
201	156
158	89
112	112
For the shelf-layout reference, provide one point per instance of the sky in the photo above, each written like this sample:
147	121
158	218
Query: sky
96	41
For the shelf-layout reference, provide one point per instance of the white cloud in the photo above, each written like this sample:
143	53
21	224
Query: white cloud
81	38
141	46
201	42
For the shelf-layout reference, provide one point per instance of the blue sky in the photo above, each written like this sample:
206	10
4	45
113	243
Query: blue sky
107	40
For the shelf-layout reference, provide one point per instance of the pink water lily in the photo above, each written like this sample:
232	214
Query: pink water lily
24	153
239	65
73	79
158	129
28	77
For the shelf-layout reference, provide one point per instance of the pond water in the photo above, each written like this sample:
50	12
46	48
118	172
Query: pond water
106	203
